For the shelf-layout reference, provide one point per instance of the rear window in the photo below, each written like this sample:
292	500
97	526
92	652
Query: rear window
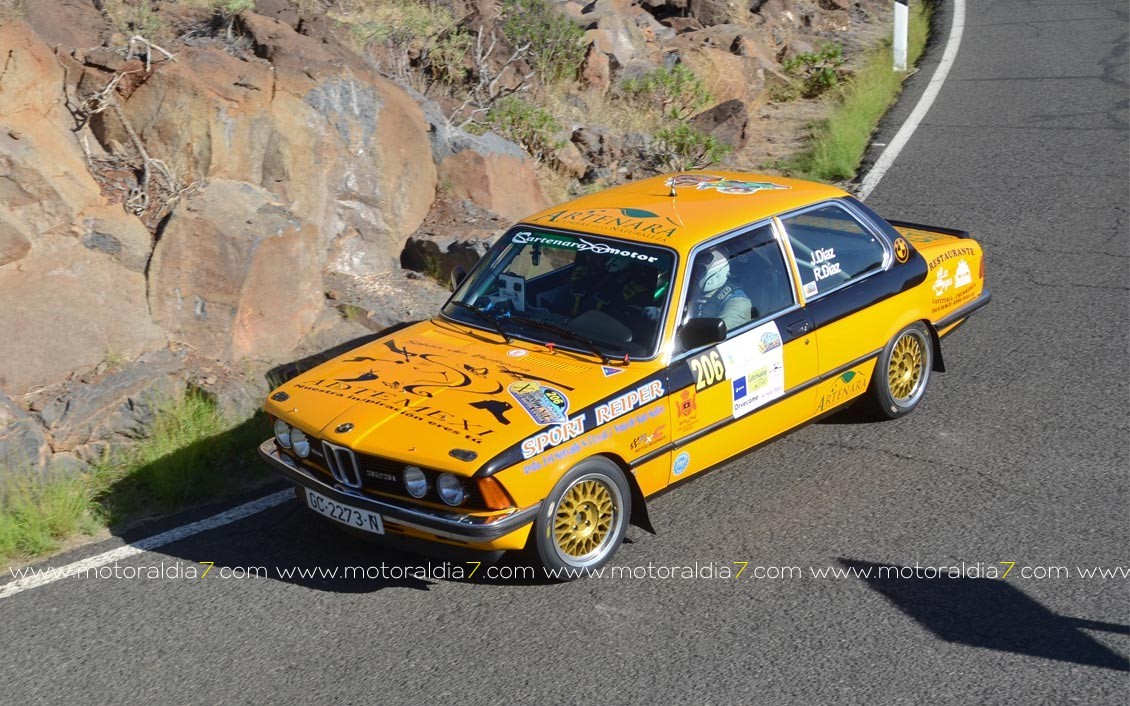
832	248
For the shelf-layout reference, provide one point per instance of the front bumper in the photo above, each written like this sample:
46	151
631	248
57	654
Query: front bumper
451	526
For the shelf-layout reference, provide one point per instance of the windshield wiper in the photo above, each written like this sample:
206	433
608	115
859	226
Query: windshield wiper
564	333
491	319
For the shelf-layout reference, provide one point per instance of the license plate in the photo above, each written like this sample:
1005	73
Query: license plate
345	514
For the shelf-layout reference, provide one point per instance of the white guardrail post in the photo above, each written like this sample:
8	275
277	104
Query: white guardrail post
901	13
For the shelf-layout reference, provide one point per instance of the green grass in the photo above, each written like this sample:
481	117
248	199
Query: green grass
36	514
839	142
192	455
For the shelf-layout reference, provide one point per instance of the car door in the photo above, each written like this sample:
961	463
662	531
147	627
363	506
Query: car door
738	392
843	263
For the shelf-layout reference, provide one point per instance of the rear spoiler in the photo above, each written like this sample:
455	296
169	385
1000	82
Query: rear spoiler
932	229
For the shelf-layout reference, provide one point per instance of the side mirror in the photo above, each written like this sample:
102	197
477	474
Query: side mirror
457	276
697	333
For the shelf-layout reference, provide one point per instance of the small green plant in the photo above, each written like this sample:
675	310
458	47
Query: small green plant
555	42
113	359
352	312
814	73
677	91
139	17
229	9
682	147
445	55
534	128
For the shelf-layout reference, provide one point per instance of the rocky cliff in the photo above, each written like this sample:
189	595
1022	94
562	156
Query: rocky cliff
189	195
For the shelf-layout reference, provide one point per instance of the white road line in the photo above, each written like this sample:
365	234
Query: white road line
42	577
887	158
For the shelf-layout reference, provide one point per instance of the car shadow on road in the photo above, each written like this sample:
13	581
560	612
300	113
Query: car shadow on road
290	544
988	613
852	415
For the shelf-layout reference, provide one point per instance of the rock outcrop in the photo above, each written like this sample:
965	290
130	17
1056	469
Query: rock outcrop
236	273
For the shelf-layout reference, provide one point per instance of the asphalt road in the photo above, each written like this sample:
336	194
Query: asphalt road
1018	454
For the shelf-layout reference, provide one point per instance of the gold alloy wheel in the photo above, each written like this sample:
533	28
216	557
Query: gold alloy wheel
905	370
584	518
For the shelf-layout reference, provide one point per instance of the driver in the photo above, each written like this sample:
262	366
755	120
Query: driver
616	285
714	294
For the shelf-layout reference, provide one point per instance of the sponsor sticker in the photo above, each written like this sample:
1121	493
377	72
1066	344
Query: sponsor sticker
942	282
572	449
646	439
580	245
962	276
959	252
627	402
723	186
686	408
682	462
769	340
545	405
811	289
845	386
610	371
553	436
756	376
691	179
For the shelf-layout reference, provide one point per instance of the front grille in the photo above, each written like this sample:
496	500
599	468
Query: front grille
342	464
361	471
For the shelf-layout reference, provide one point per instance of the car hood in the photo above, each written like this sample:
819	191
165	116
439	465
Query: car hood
444	396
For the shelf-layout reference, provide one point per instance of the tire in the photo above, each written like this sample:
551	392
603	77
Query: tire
902	373
583	520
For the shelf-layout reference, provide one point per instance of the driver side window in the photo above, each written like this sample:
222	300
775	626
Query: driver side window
740	280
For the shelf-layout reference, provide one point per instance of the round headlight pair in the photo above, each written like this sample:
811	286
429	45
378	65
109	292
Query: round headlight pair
449	488
292	438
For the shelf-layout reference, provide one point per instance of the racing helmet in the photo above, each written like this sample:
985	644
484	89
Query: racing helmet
711	271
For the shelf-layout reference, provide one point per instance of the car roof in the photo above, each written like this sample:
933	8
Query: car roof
646	212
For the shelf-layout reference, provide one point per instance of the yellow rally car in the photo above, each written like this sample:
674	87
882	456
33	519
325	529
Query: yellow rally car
612	346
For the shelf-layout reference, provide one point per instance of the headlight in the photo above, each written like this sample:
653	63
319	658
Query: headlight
300	443
282	433
415	482
450	489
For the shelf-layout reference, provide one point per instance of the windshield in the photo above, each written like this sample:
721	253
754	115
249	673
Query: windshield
577	291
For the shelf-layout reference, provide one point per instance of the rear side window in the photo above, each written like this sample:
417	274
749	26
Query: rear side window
831	248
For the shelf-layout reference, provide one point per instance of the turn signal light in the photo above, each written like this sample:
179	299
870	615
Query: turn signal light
494	496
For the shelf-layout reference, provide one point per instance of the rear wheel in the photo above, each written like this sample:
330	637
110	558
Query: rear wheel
583	521
902	372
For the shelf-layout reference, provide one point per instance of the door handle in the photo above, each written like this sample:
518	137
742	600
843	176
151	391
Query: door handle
798	327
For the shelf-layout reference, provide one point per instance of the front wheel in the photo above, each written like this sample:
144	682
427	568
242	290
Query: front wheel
902	372
584	519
